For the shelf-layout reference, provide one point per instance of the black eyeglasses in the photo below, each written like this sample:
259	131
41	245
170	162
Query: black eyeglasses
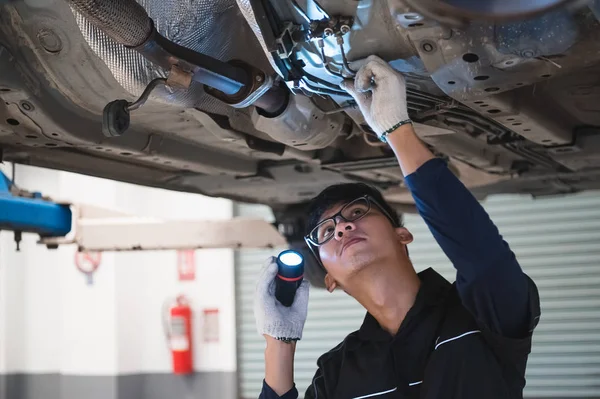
351	212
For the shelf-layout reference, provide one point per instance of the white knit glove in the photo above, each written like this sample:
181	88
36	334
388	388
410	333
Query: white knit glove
380	92
272	318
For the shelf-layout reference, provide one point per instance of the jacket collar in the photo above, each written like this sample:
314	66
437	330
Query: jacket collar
432	292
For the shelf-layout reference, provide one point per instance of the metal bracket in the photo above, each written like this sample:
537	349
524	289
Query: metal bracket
98	229
262	89
25	212
260	83
329	27
285	43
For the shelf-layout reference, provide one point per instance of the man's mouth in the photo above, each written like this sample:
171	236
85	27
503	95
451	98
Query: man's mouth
350	242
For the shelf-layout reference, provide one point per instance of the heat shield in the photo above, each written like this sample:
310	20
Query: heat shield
216	28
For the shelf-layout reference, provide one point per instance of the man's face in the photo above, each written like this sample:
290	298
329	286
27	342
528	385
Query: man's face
356	245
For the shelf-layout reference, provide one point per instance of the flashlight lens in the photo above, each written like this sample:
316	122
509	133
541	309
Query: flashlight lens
290	258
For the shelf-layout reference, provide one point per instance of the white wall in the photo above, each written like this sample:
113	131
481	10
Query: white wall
52	321
145	351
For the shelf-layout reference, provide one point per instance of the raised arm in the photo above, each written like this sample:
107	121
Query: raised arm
490	281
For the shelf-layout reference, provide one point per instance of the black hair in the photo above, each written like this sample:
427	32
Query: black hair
332	195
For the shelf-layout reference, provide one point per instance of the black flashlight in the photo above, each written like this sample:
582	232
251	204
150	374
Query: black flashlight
290	271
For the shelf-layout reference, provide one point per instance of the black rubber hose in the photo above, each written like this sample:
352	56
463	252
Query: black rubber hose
125	21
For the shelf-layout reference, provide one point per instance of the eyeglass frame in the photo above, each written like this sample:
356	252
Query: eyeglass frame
370	200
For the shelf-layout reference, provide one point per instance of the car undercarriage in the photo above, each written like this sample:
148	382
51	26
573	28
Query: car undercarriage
244	99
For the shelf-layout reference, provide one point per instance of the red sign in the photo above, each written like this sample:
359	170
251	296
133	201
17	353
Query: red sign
186	265
87	263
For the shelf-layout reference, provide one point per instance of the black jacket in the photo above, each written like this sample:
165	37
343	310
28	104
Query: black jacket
440	351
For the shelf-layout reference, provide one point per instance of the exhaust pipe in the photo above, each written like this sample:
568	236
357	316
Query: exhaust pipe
128	23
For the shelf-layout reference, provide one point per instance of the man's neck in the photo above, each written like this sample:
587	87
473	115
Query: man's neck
388	292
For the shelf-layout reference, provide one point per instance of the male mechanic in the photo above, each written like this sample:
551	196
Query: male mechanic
422	337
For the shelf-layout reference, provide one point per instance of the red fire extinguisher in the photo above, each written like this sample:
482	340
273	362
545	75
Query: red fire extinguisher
178	331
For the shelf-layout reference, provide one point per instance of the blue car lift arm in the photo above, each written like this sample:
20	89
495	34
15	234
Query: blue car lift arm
23	212
92	228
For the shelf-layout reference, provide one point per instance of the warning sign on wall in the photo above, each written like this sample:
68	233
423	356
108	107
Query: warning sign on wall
87	263
186	265
211	325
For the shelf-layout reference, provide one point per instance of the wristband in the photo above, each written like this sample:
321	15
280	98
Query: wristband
383	137
287	340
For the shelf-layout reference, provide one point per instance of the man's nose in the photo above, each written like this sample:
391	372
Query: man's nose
343	227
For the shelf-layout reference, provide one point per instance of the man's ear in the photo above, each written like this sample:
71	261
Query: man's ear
404	235
330	283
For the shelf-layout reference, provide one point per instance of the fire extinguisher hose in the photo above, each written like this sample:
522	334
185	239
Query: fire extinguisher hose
165	321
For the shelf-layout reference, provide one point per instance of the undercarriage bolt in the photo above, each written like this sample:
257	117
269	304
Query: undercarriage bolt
528	53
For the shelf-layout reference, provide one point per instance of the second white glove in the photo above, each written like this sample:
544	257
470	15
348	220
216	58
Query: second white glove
380	92
272	318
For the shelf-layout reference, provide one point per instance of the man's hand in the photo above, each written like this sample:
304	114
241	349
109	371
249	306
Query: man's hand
380	92
272	318
275	321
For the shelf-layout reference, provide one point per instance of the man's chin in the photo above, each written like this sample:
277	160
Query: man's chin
359	260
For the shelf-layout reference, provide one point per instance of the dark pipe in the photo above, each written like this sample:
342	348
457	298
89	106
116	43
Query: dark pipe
146	93
325	92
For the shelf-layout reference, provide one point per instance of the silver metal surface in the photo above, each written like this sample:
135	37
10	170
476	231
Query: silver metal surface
458	11
495	69
302	125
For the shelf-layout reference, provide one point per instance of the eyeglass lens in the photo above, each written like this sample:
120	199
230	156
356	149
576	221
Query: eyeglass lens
351	212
